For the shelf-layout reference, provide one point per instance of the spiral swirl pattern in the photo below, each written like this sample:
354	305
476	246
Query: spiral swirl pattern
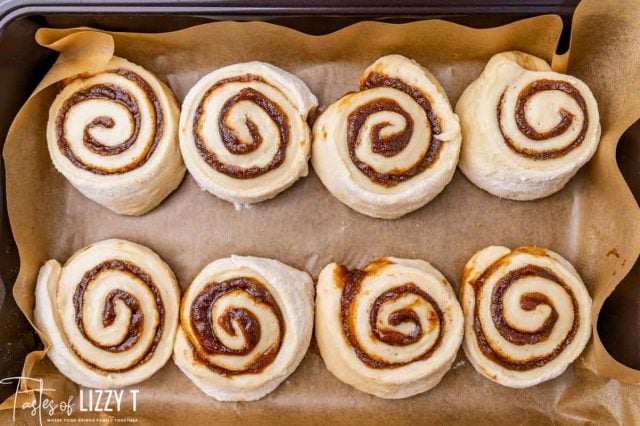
135	328
392	144
400	324
242	333
405	304
214	321
527	129
565	124
244	133
230	139
110	318
389	133
113	135
128	111
527	314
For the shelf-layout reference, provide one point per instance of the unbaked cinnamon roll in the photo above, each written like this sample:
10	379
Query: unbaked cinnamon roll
245	325
113	133
110	313
391	147
243	131
392	330
527	314
527	130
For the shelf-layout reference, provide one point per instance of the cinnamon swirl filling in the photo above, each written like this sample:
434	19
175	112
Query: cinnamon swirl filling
112	93
567	120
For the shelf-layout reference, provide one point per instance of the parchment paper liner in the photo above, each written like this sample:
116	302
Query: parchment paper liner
594	221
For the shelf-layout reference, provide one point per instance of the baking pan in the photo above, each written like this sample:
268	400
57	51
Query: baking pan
23	63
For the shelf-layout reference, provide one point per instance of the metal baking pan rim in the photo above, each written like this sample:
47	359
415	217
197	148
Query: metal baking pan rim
11	10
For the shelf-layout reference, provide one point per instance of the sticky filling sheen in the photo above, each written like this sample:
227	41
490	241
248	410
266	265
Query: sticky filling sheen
230	140
528	302
136	321
393	144
206	343
350	281
566	120
113	93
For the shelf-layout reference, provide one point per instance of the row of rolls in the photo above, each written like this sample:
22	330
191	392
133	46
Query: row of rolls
519	131
113	315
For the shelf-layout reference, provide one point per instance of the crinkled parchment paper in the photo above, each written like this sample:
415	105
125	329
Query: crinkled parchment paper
594	221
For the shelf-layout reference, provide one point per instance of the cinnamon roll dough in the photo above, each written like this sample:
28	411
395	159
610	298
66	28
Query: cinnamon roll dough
391	147
527	314
110	313
245	325
243	131
392	330
114	135
527	130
